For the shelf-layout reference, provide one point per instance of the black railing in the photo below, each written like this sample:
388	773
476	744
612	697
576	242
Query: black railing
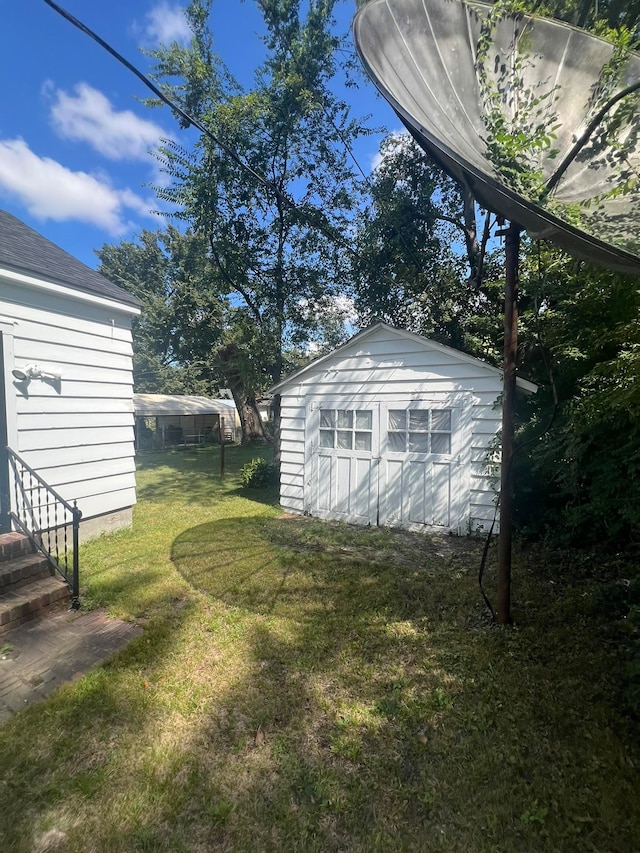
48	520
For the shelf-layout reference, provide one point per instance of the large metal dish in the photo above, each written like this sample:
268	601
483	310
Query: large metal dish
448	74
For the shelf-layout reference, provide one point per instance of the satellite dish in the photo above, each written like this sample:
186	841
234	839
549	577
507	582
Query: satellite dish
467	83
540	120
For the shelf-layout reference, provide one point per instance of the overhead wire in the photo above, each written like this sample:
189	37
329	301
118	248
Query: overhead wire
282	197
189	120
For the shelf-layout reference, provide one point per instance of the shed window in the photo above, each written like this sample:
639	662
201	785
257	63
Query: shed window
346	429
419	430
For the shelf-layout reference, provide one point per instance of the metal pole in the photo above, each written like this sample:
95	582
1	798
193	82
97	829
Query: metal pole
75	591
221	447
5	487
512	252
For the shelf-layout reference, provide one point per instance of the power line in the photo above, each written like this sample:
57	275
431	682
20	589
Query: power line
314	220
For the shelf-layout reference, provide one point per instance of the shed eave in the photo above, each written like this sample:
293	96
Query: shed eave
295	378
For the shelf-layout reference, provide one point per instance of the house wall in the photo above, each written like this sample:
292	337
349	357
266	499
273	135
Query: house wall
387	368
78	433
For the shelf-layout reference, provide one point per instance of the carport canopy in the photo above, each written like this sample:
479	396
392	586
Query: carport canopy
154	405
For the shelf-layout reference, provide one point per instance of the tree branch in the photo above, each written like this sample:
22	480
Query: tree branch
251	305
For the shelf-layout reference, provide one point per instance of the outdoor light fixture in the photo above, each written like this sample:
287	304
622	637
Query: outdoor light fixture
33	371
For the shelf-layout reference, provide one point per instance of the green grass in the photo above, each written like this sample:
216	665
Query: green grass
308	686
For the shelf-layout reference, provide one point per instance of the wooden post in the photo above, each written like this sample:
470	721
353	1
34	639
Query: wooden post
221	447
512	252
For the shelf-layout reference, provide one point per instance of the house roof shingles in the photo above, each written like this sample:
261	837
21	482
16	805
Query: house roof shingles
24	250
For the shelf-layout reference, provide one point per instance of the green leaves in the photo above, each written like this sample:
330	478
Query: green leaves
274	213
182	312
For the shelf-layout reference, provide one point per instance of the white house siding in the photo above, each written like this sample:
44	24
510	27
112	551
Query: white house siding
387	368
78	434
292	453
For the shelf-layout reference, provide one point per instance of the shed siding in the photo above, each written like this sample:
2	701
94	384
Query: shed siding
292	454
78	433
385	368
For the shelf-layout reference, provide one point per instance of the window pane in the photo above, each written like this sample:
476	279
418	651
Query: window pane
364	420
440	442
441	419
363	441
344	439
419	420
326	438
397	442
327	418
397	419
345	419
418	442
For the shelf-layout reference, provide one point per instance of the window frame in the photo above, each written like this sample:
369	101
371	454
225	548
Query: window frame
406	431
336	426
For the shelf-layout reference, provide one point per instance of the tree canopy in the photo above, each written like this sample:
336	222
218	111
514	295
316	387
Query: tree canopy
274	201
264	275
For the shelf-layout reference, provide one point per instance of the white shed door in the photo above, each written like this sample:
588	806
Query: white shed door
396	465
342	478
419	471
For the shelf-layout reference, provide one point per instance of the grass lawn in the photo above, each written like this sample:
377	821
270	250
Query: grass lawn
308	686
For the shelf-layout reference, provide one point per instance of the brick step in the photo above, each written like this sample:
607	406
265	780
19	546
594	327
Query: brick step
23	570
14	545
31	601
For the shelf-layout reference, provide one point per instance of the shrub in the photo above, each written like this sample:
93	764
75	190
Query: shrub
619	603
260	474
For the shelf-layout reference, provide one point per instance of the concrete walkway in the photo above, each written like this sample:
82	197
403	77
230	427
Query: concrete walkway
41	655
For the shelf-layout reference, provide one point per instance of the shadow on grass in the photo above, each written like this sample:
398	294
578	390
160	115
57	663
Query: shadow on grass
57	757
383	713
237	561
338	690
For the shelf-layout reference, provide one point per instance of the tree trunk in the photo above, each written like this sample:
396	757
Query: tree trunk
252	428
250	421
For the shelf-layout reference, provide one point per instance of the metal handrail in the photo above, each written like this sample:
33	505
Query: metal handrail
45	517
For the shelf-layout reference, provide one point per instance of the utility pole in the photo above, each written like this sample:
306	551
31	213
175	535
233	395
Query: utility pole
512	258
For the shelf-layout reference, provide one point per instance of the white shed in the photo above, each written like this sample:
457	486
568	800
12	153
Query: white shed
65	334
392	429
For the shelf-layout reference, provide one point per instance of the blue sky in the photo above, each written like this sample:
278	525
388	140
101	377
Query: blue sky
74	137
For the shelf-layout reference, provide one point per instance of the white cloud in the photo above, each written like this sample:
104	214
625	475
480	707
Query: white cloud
330	306
49	190
394	141
88	116
165	24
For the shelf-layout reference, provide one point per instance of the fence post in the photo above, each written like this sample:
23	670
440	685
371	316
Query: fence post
221	448
5	489
75	591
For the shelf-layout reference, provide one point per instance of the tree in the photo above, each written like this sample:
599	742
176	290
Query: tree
581	442
182	318
274	197
179	341
421	263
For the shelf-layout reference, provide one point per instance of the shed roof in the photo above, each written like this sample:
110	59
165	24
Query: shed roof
361	337
24	250
151	405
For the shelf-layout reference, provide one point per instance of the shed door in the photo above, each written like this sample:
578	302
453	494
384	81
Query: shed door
342	480
420	465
